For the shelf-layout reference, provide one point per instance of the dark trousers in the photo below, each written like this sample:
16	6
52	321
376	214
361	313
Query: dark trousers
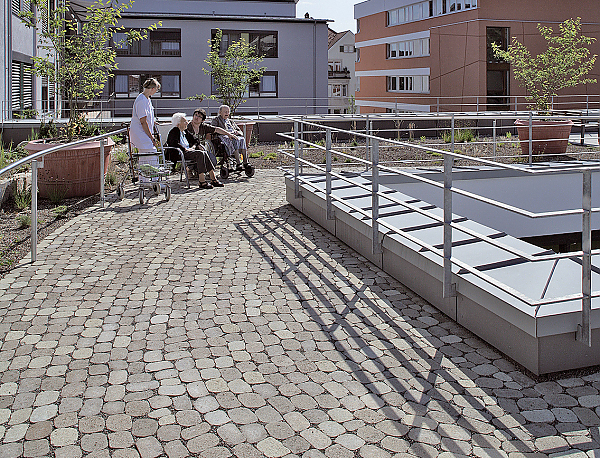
200	158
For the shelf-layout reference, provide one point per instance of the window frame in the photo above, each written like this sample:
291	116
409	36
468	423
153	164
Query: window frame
263	94
142	76
256	34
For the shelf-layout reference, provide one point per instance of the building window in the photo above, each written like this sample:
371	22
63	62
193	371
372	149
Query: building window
427	9
129	85
347	48
337	90
264	43
357	25
410	48
124	48
21	87
165	42
417	84
335	65
20	5
497	70
267	87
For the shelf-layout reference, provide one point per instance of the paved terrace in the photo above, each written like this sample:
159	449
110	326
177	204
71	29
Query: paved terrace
224	323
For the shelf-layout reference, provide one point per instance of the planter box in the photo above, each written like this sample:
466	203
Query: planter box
74	172
549	137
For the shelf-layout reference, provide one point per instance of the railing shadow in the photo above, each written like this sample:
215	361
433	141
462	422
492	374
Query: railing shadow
420	370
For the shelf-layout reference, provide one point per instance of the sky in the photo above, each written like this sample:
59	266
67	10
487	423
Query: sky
341	11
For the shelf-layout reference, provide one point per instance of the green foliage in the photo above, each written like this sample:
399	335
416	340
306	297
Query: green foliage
121	157
347	160
27	113
48	130
256	155
423	138
447	136
508	135
57	193
460	136
564	64
23	220
270	156
110	178
354	143
60	211
83	49
22	197
234	72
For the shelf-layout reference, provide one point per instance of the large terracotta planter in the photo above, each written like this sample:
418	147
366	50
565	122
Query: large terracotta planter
549	137
246	127
74	172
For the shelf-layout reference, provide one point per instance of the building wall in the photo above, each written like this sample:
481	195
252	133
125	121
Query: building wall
283	8
301	65
457	63
348	60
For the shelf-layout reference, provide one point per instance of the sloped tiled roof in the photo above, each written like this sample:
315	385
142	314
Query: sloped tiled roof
333	37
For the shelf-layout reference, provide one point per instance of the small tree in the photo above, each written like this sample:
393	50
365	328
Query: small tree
84	60
234	72
565	63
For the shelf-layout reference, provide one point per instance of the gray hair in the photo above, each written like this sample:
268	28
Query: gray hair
223	107
177	117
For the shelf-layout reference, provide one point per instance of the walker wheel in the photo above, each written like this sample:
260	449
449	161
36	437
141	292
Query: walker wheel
141	197
167	193
249	170
120	192
156	188
224	173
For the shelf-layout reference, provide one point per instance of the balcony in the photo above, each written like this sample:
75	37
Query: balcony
339	74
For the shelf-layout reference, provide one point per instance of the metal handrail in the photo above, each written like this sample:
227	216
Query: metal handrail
36	164
372	147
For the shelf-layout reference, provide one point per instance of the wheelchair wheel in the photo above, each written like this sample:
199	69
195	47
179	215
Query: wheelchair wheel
156	189
224	173
167	193
120	192
249	170
141	197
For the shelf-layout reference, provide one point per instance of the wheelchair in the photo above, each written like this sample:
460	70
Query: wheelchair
225	161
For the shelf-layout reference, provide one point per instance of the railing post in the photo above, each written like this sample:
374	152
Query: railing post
375	196
301	146
582	140
452	134
102	144
438	105
516	109
494	132
530	137
329	209
552	104
367	140
477	104
448	290
34	185
584	332
296	167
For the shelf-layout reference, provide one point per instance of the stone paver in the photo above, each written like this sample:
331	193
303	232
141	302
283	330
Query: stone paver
224	323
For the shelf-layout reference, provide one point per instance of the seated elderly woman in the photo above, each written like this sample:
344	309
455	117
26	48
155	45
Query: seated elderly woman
198	156
235	143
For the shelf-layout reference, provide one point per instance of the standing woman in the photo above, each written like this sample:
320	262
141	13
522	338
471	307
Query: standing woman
142	124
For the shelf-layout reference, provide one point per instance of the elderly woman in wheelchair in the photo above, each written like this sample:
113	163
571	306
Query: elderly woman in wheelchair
194	153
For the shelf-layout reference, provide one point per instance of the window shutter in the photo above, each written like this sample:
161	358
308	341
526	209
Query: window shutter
16	6
27	86
15	86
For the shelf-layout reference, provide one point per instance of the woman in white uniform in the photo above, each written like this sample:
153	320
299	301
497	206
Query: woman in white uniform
142	124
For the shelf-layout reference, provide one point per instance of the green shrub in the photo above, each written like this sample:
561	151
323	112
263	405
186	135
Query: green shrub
57	194
423	138
23	197
110	178
256	155
121	157
354	143
24	221
447	136
60	211
48	130
347	160
271	156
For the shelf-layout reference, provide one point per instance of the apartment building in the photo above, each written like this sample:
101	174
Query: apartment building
435	55
341	82
294	50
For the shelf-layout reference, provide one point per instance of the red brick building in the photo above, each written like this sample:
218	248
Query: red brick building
416	56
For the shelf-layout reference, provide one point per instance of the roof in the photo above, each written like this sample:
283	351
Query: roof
333	37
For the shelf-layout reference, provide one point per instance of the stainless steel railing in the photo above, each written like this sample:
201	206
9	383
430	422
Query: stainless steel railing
37	162
371	160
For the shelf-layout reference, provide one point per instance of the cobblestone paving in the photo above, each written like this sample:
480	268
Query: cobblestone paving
224	323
